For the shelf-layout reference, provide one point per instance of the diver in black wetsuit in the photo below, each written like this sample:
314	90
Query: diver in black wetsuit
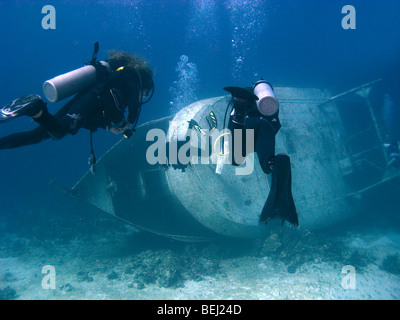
101	106
257	108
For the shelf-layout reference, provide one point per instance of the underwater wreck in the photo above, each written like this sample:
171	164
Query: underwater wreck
338	165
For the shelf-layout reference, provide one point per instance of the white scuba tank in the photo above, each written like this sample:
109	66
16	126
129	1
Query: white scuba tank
72	82
267	103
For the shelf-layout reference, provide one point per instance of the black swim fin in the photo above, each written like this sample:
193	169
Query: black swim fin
280	203
25	106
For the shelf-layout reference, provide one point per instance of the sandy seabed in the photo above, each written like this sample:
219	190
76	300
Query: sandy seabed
114	261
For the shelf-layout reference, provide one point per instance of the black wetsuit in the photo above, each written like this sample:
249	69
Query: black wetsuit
265	128
101	107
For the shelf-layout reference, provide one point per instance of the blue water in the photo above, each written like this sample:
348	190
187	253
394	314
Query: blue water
287	42
221	43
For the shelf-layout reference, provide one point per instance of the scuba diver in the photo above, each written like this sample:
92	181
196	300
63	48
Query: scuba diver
257	108
104	90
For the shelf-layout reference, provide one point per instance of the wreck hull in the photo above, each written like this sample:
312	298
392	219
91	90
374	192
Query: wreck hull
206	201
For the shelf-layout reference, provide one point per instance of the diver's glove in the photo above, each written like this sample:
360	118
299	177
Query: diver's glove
129	132
120	127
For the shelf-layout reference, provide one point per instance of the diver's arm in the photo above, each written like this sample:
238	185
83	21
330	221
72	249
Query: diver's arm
133	105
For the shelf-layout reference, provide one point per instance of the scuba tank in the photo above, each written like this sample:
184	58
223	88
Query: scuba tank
267	103
72	82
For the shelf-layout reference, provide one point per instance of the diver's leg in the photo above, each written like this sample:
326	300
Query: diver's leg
279	203
71	117
80	112
21	139
233	127
50	124
32	106
55	126
264	143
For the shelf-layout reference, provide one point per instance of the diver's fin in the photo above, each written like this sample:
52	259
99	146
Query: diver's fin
212	120
280	203
241	93
25	106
